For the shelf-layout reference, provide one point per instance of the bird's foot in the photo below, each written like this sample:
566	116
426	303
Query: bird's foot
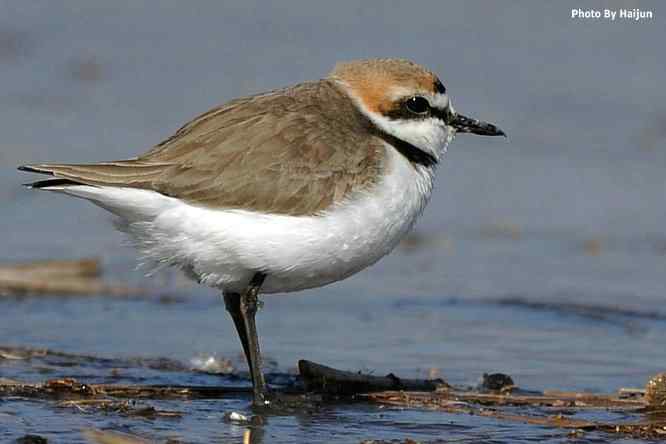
276	402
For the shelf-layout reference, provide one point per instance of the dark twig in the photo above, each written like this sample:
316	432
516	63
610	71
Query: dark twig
322	379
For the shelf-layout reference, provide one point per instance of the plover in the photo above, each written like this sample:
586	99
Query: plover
282	191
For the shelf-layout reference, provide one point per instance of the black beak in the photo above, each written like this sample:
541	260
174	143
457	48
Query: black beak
464	124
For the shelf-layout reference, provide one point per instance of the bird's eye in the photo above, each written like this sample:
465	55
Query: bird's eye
417	105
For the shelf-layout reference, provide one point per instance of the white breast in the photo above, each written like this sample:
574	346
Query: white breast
224	248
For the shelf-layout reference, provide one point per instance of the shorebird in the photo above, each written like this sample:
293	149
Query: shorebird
277	192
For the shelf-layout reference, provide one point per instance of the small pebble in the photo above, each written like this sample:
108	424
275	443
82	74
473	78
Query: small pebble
235	417
212	364
496	381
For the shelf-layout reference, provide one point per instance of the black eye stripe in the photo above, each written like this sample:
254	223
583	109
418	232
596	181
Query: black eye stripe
415	107
402	112
439	87
440	114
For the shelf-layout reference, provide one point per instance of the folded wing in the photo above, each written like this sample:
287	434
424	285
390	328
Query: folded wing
295	151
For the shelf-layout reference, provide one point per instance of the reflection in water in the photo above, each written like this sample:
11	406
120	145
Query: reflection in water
254	435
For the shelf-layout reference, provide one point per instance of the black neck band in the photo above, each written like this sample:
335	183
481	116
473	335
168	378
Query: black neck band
411	152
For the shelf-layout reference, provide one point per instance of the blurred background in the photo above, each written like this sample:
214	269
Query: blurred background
542	255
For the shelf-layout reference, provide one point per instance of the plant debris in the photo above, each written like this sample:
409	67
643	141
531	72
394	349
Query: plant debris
655	391
60	277
498	397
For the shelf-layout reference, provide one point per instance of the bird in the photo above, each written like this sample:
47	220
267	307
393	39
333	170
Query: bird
285	190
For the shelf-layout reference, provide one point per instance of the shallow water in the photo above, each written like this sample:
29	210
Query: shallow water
542	256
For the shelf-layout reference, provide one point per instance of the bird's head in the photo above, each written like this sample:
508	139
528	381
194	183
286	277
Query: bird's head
408	102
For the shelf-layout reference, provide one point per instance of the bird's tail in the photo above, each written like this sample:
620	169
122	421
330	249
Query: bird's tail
130	173
121	187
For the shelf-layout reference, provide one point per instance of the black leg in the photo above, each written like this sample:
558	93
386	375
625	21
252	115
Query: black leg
233	305
248	304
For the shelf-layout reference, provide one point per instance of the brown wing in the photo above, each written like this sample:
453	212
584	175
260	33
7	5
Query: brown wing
294	151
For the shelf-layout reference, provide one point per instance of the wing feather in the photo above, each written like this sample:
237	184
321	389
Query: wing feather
295	151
